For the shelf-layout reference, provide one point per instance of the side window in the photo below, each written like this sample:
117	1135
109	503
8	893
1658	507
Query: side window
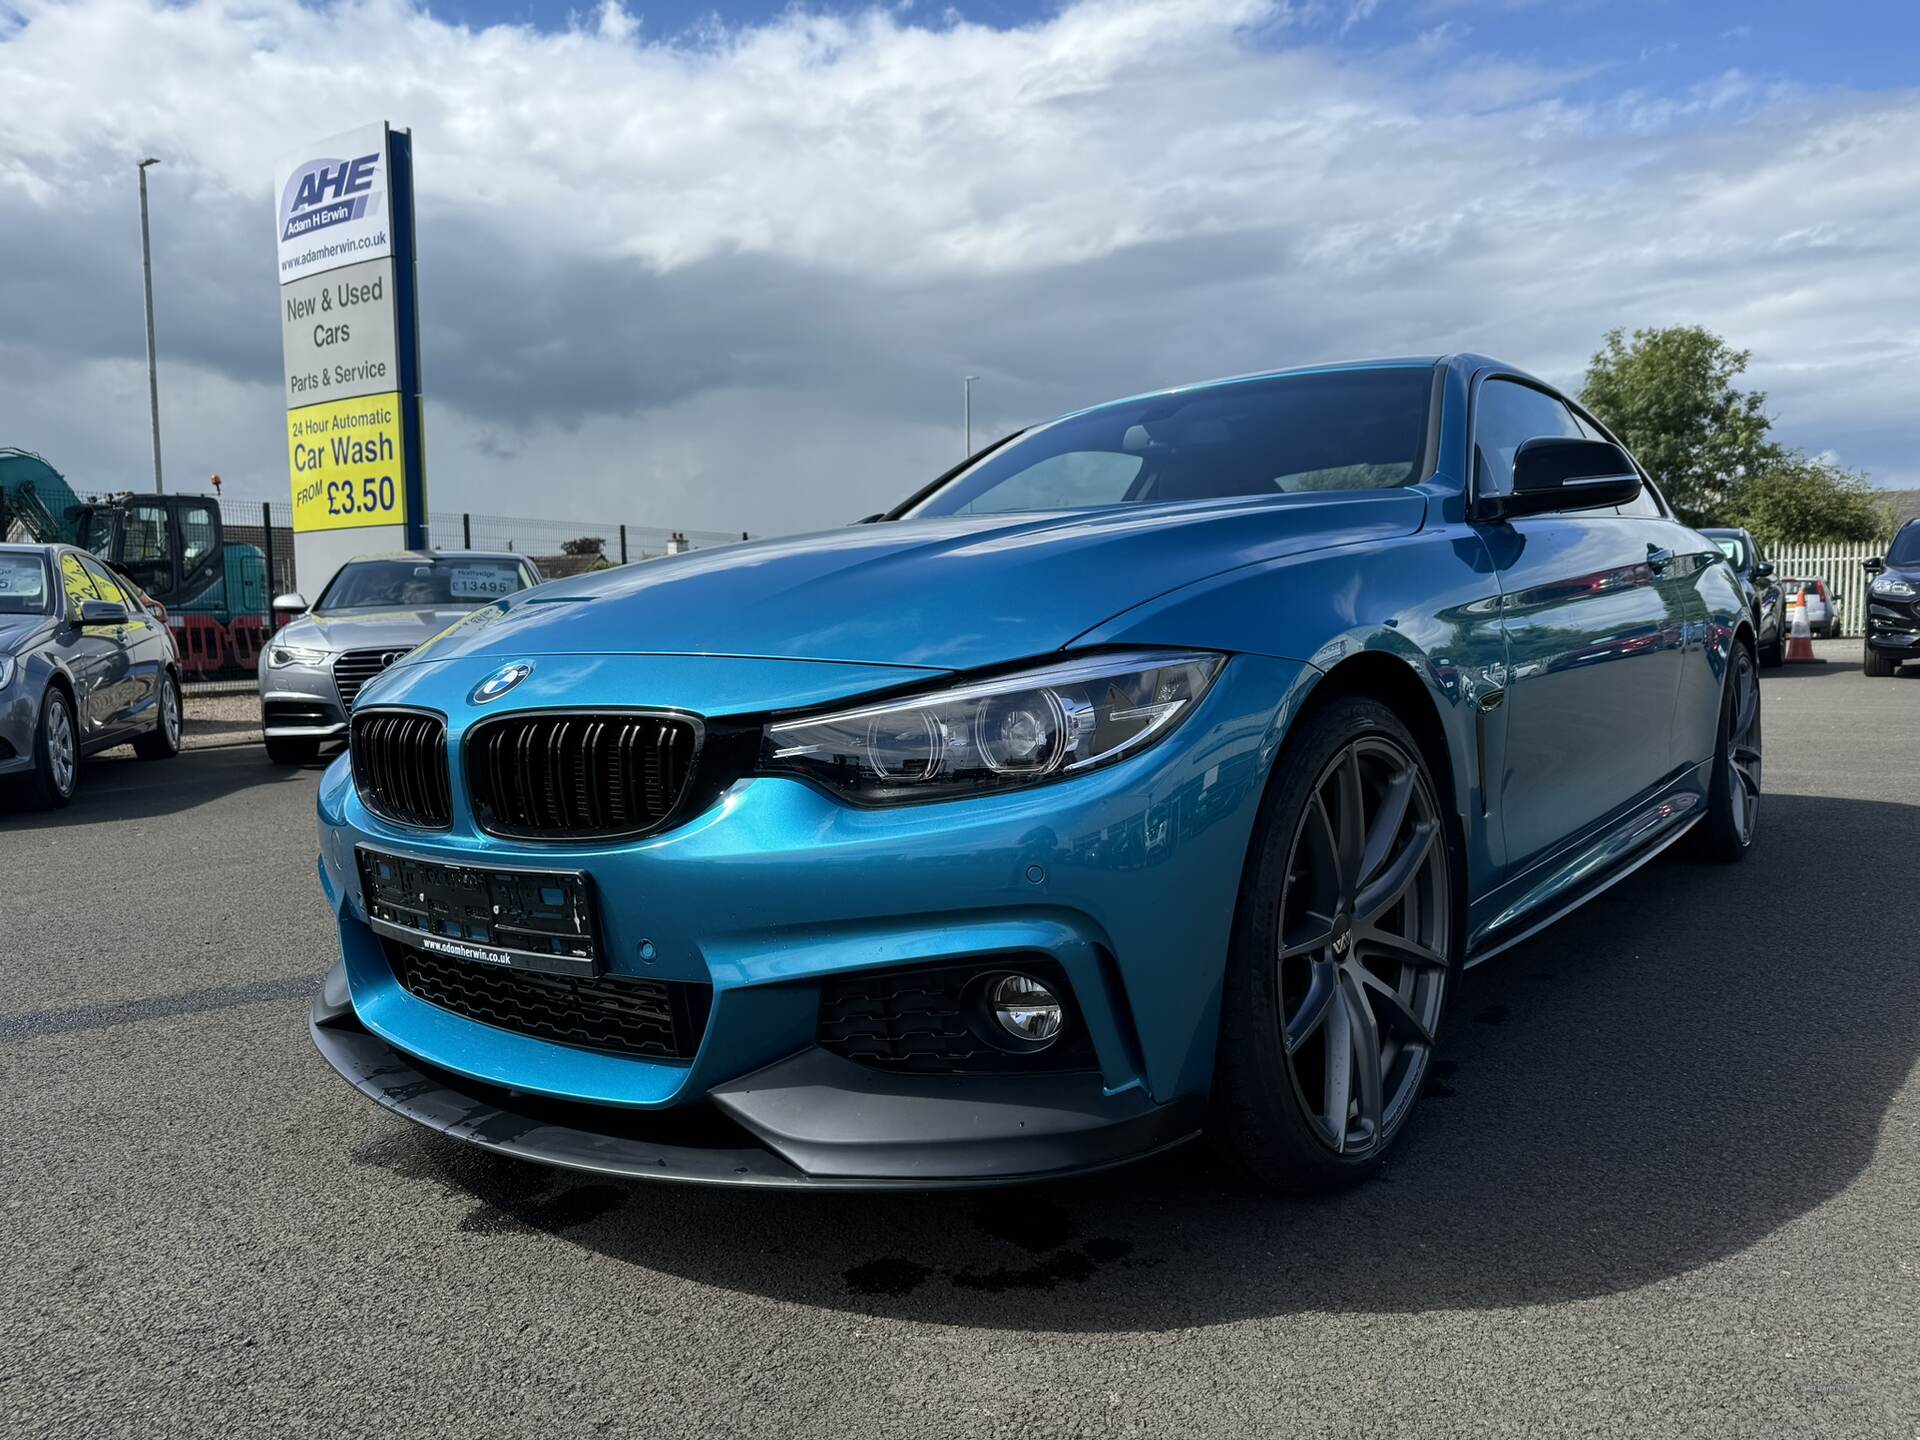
1506	415
75	581
197	534
104	585
148	553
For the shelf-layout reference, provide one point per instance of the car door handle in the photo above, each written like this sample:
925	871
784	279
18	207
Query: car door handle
1659	559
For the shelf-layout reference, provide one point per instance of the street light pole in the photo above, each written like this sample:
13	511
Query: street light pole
967	383
153	369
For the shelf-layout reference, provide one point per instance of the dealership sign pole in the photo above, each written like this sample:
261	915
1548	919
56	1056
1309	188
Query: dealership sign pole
349	332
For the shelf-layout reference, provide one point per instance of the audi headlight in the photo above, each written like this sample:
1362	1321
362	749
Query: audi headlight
1892	587
281	656
999	734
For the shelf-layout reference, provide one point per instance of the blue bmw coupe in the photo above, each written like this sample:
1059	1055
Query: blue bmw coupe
1153	772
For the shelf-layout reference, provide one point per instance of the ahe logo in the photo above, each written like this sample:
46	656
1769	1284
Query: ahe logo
326	192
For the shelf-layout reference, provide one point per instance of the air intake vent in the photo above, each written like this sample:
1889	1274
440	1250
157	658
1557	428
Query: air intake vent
400	767
933	1021
618	1014
548	775
352	670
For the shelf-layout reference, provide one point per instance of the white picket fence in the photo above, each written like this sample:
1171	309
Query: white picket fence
1841	565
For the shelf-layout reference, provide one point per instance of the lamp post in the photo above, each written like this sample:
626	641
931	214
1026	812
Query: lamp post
967	385
153	370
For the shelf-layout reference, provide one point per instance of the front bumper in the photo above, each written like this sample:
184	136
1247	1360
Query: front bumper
299	702
1123	880
19	720
1893	625
811	1121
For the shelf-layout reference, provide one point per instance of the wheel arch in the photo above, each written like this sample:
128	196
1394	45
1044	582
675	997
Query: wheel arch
57	678
1393	680
1398	676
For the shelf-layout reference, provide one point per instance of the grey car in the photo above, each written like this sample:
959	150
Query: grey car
83	665
374	610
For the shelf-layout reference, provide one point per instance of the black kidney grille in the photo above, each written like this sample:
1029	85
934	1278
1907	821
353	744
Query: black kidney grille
621	1014
931	1021
400	767
578	776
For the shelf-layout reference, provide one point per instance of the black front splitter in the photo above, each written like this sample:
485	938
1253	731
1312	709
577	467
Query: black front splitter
813	1121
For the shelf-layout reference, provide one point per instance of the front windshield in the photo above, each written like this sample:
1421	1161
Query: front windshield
1335	430
1905	550
407	584
1733	548
23	585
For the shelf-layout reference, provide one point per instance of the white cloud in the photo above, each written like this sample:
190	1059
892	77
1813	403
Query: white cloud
733	280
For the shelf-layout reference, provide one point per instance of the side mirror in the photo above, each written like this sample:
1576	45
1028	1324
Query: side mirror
292	600
1763	570
102	612
1874	566
1556	473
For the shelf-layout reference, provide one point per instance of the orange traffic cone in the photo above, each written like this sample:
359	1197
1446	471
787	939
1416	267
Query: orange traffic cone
1799	634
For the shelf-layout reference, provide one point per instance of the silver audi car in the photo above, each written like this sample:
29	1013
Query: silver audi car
374	610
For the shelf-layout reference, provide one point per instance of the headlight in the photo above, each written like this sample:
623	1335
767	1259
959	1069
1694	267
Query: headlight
281	656
6	671
1892	587
999	734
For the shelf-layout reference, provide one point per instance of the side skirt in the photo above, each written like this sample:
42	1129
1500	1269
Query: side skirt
1598	868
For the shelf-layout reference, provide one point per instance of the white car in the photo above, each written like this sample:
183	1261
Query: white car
1823	613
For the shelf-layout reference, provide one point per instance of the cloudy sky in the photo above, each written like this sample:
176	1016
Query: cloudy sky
724	266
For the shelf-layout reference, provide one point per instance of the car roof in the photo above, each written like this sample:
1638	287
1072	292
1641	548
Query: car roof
1398	362
441	555
1467	363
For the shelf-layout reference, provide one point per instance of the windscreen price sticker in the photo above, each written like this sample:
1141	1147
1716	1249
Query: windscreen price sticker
481	582
345	456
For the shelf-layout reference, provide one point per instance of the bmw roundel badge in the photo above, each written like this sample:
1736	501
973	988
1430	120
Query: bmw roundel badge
499	682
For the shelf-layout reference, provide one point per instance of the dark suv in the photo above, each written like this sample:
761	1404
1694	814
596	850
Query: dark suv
1763	594
1893	604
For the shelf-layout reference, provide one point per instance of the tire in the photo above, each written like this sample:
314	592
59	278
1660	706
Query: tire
163	741
1283	1074
1733	792
56	752
1876	664
1775	655
291	751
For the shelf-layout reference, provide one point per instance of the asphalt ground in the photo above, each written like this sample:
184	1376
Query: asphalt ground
1666	1182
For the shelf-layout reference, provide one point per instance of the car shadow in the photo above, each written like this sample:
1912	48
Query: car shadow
117	785
1696	1060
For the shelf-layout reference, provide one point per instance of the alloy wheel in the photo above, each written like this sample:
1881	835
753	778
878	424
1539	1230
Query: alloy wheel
60	746
1743	746
1364	927
170	713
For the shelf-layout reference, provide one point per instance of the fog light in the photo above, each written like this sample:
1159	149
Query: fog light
1026	1009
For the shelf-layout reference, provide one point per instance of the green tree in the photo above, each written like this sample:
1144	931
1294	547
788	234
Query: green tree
584	545
1669	395
1800	500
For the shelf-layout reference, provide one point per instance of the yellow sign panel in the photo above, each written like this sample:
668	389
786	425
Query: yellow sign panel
347	465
